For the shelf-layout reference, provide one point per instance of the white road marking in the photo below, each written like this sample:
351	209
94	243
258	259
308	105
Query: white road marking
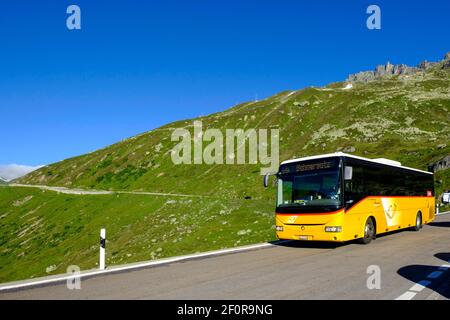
139	265
407	296
419	286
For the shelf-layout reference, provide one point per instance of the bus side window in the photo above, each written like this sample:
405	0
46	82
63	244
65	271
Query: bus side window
354	189
412	185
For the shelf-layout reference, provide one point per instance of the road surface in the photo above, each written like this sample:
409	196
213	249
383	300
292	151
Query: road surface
411	264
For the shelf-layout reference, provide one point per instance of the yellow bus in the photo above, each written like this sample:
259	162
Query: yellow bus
340	197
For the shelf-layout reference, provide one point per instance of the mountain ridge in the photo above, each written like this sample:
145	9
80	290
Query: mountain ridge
390	69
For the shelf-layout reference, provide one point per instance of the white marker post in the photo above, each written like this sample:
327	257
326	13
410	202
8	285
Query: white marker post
102	248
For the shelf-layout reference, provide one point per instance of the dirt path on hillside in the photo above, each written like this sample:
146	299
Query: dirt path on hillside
65	190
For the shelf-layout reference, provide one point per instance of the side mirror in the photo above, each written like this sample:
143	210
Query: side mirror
348	173
266	180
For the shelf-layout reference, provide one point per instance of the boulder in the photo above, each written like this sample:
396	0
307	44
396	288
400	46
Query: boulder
350	149
439	165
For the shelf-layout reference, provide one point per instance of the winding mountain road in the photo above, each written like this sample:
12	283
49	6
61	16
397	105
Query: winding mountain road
65	190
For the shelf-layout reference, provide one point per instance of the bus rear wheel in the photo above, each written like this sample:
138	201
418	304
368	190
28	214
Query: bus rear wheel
418	224
369	232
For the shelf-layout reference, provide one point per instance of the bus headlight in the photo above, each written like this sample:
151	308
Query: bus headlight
279	228
333	229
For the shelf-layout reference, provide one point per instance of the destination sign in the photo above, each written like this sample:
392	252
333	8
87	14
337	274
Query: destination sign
309	166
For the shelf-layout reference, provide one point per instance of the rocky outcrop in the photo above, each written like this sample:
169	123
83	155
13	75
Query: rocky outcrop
364	76
446	64
390	69
425	65
439	165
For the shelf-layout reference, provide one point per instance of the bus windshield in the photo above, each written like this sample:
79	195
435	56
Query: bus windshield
310	185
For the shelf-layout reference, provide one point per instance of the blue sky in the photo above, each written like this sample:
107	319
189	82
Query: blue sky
137	65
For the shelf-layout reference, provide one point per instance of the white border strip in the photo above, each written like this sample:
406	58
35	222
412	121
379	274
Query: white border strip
136	266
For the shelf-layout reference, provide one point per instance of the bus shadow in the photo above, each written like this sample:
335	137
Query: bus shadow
390	233
325	244
334	245
443	224
420	274
410	229
308	244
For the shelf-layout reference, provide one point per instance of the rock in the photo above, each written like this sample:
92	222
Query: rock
50	268
301	104
425	65
439	165
348	86
388	69
382	70
19	203
446	64
350	149
243	232
158	147
364	76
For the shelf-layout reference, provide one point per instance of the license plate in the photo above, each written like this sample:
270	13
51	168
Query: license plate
303	238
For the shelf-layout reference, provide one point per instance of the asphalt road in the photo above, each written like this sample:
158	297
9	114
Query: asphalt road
288	271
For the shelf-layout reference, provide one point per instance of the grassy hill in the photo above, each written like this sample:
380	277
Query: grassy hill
401	117
42	232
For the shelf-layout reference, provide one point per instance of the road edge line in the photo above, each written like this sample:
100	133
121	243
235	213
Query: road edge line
136	266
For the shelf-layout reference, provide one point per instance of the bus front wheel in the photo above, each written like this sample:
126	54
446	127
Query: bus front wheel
418	224
369	232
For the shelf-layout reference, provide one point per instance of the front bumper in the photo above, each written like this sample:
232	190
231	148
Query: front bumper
308	233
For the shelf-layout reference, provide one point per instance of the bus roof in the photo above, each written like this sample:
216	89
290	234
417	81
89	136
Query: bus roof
387	162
